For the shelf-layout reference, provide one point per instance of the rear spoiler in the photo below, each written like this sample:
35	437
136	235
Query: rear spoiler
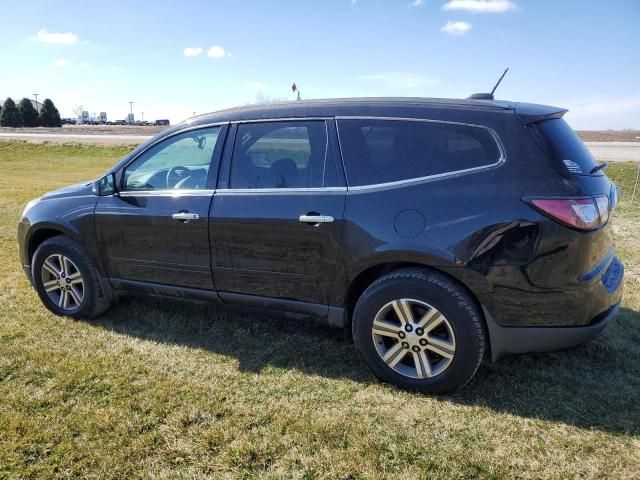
529	113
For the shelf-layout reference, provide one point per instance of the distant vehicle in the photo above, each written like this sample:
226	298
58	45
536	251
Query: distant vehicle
120	122
162	123
69	121
437	232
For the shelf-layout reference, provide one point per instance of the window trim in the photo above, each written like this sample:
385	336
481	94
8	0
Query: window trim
228	190
169	191
427	178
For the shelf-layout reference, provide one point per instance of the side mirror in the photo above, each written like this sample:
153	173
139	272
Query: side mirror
105	186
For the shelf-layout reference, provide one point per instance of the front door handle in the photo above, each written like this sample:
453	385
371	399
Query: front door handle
316	218
185	216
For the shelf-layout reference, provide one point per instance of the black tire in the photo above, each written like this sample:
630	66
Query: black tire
95	299
451	300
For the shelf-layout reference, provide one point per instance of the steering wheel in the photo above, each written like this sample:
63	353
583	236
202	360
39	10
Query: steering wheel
175	174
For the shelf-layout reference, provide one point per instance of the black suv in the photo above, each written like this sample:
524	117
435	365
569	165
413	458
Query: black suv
437	231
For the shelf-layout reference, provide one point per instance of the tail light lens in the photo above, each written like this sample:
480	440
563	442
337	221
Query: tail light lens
582	213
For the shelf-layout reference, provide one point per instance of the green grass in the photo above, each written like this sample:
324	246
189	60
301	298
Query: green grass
173	390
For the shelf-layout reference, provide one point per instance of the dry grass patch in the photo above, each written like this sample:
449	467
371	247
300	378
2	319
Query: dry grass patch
171	390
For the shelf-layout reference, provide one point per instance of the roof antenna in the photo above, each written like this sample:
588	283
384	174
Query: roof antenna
489	96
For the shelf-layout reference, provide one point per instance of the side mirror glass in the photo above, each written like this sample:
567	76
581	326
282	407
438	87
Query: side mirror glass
105	186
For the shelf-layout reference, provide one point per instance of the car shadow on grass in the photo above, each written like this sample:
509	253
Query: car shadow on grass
594	386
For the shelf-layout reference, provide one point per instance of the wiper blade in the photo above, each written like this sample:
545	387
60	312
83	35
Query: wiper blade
597	168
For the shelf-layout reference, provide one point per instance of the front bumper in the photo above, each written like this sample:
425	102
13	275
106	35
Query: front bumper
27	272
515	340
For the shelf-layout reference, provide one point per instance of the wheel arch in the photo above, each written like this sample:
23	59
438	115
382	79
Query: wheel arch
42	231
39	236
359	283
366	277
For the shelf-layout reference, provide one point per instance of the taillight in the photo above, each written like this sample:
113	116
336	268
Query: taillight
583	213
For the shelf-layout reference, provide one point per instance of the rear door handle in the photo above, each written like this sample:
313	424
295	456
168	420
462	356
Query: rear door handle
316	218
185	216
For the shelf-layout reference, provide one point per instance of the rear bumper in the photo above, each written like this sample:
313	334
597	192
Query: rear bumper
514	340
506	340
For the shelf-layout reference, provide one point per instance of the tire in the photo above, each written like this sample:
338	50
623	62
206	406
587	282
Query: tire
86	297
437	358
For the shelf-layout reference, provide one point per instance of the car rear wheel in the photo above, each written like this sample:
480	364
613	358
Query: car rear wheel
67	280
419	331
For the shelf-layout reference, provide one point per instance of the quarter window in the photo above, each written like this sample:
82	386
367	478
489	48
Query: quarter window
179	162
280	155
381	151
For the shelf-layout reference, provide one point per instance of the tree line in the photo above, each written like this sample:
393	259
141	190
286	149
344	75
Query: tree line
25	115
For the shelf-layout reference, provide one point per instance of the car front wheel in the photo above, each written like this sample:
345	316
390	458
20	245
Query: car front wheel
67	280
419	331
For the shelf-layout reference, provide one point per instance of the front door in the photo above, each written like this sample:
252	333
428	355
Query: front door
155	228
276	225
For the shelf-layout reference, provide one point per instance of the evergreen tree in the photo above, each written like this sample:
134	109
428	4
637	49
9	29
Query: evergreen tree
29	114
49	115
10	116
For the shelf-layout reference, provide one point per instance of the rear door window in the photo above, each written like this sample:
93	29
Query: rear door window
287	154
564	146
379	151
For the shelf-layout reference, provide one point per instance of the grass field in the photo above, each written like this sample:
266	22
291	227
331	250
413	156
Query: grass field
172	390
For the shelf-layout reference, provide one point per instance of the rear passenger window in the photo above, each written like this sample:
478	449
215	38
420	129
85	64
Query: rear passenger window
279	155
381	151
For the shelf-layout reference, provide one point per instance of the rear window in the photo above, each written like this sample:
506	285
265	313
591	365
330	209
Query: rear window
381	151
564	146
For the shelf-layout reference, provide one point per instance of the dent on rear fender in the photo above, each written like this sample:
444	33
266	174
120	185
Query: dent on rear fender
507	243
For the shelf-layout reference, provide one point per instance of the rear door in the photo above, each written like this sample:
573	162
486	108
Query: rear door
154	229
277	220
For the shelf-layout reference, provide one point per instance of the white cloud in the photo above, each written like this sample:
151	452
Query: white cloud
192	51
257	86
61	62
416	3
456	28
401	79
216	51
67	38
480	6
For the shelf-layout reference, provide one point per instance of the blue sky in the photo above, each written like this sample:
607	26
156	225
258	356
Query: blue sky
584	55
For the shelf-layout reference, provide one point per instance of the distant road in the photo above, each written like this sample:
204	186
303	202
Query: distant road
94	139
615	151
609	151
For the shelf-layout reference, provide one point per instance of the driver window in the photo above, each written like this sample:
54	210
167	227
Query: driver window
180	162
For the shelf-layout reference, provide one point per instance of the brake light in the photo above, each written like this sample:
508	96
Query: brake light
583	213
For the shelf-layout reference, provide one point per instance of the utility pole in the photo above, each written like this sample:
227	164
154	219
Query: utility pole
131	107
36	97
142	116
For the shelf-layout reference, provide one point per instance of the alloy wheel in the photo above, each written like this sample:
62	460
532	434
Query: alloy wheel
413	338
62	281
